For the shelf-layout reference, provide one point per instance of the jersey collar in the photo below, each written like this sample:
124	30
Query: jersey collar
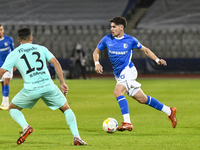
2	39
119	38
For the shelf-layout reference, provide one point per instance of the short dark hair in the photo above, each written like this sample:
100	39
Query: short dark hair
24	34
119	20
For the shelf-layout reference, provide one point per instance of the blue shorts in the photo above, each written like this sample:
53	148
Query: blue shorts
51	95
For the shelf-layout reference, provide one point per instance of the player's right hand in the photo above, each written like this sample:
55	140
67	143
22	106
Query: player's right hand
64	88
99	69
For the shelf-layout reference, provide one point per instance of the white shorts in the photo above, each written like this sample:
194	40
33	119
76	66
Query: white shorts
7	75
128	79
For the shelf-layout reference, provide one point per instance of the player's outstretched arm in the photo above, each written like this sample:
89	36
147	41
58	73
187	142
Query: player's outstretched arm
151	55
63	86
98	67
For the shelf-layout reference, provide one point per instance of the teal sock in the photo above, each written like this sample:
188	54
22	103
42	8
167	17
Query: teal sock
18	116
71	122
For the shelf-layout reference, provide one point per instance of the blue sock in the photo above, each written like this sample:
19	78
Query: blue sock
154	103
18	116
2	89
6	90
71	122
123	104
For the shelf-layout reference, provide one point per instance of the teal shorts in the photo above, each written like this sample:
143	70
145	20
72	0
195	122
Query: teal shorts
51	95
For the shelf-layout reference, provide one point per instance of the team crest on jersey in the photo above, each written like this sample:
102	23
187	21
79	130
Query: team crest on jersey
125	45
6	44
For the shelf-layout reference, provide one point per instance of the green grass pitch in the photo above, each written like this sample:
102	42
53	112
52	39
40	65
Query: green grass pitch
93	101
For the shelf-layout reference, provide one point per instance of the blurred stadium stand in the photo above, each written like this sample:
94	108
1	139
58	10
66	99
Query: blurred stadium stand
169	28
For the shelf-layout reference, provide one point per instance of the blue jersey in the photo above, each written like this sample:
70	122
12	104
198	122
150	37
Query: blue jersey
119	50
6	46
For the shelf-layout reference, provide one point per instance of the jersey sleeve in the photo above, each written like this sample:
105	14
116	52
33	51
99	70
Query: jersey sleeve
9	62
48	54
136	43
102	44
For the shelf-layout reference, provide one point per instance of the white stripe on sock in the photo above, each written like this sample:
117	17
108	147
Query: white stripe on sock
149	100
120	99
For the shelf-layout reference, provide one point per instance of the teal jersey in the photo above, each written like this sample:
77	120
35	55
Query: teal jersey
30	60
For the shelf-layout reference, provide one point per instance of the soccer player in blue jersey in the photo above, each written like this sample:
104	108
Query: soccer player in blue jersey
6	46
30	59
120	47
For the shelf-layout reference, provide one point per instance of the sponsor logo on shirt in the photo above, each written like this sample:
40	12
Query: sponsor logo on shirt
37	73
118	53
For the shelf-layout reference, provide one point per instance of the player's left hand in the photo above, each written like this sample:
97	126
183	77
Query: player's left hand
162	62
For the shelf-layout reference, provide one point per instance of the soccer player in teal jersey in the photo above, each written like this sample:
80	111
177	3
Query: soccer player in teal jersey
30	59
120	47
6	46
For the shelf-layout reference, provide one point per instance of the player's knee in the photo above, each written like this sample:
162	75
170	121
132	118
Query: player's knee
12	106
120	90
115	93
64	107
6	81
118	93
141	100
